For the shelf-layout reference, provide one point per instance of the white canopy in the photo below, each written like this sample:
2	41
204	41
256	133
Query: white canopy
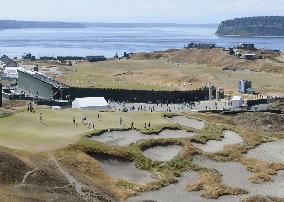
90	103
237	98
237	102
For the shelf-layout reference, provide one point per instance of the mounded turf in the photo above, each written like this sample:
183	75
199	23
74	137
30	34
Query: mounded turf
24	131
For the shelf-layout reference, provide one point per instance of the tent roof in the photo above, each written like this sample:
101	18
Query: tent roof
91	102
237	98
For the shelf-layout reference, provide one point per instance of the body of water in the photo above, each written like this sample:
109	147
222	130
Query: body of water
107	41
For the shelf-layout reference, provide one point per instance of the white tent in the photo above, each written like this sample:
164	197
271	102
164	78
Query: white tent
90	103
237	102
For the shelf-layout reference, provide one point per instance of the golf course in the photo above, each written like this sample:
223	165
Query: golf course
108	160
24	131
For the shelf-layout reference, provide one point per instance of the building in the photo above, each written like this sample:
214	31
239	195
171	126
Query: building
250	56
47	58
246	46
90	103
29	56
214	92
243	85
34	84
64	58
237	102
201	45
220	94
211	94
95	58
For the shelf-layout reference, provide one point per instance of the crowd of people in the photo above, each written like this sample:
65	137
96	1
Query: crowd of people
175	108
91	125
85	122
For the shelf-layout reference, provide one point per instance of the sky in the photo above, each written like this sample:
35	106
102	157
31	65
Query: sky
175	11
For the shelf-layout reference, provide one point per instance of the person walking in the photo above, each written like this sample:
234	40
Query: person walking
40	118
132	124
83	119
30	107
74	121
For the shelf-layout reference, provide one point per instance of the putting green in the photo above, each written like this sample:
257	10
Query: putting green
24	131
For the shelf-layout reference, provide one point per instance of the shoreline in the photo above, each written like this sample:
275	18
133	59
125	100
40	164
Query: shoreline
243	36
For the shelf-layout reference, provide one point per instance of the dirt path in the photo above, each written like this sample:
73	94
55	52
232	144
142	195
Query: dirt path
27	175
84	191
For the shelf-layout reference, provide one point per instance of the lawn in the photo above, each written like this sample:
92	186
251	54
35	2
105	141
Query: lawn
25	132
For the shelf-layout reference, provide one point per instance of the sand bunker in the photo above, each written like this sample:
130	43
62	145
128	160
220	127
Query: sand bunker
178	192
117	167
184	121
217	146
175	134
235	175
120	138
125	138
273	151
162	153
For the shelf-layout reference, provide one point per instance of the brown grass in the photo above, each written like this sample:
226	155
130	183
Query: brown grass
250	127
78	163
84	167
262	199
219	58
263	171
209	183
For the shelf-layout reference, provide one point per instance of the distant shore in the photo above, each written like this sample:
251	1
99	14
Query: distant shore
13	24
248	36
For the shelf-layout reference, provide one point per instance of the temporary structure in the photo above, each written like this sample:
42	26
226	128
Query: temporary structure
237	102
90	103
11	72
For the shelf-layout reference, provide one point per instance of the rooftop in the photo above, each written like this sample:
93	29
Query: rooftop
91	101
237	98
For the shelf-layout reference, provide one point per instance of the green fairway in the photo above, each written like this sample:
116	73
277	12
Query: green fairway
25	132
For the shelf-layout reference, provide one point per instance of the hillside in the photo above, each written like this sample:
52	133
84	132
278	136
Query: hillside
253	26
218	58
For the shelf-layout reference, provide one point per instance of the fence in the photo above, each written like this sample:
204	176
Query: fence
136	96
